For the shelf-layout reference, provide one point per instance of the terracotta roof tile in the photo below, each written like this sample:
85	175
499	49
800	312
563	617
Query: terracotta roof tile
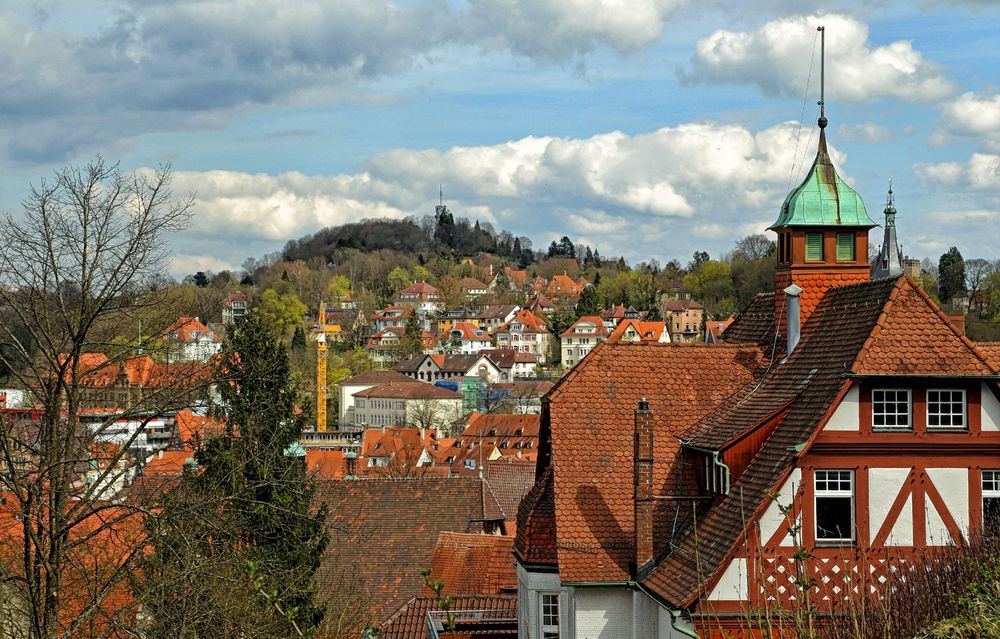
535	540
591	413
410	621
383	532
473	564
754	324
408	390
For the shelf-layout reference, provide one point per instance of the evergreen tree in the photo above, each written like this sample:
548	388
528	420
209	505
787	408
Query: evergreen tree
951	275
515	252
554	249
411	343
566	248
588	303
237	545
299	339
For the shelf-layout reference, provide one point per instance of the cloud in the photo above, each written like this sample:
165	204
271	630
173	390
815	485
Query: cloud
865	131
182	264
641	194
170	65
553	30
773	58
973	114
980	173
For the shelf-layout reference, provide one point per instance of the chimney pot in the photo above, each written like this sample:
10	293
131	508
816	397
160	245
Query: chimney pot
793	316
643	404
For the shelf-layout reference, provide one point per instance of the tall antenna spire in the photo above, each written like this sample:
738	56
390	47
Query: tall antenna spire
440	194
822	77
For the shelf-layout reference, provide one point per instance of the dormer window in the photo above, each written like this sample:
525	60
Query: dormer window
891	408
946	408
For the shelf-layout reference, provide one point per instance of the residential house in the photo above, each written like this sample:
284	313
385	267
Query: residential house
424	298
234	306
526	333
384	345
715	328
437	367
640	331
189	340
396	452
540	304
337	322
362	381
406	404
390	316
496	315
614	315
466	339
580	338
563	286
844	430
492	437
503	365
473	288
457	315
684	317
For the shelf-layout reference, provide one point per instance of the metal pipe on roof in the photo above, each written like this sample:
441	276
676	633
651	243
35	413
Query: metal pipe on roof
793	316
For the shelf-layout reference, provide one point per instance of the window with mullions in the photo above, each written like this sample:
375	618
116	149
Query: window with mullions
945	408
834	492
891	408
991	502
549	616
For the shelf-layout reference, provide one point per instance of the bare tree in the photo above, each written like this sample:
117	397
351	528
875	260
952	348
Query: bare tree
977	271
83	259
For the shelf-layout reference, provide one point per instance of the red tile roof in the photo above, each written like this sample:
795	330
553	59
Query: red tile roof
513	437
473	564
680	306
535	540
383	532
408	390
193	430
563	286
991	350
647	331
755	323
326	464
591	413
189	329
599	329
168	462
410	621
509	482
423	289
531	323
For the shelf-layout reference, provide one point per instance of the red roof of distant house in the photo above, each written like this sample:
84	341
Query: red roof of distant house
193	430
326	464
646	331
715	328
599	329
512	437
408	390
238	296
472	283
471	333
421	289
97	371
473	564
563	286
168	462
530	322
190	329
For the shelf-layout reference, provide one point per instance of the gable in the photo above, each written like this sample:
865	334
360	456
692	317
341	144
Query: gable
913	337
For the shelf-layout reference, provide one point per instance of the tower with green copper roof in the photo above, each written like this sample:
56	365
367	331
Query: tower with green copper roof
822	229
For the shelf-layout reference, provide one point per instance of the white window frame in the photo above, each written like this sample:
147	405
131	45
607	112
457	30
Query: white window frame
990	478
548	630
834	493
965	419
909	409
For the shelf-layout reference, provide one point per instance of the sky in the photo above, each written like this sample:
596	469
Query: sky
645	128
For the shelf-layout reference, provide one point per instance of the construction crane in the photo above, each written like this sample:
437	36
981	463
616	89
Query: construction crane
321	372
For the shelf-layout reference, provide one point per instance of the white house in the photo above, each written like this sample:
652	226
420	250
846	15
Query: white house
581	338
407	403
358	383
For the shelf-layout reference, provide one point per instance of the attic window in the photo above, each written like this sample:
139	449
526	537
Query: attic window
814	247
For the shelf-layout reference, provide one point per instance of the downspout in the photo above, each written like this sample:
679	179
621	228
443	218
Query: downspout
675	614
727	473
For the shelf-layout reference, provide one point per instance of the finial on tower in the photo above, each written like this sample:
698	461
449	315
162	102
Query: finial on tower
822	77
440	194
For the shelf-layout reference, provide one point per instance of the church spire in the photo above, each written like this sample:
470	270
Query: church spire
890	257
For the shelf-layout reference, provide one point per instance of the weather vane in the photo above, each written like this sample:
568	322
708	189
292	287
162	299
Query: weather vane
822	77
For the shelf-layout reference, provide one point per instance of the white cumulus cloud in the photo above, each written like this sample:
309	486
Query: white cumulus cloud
973	114
980	173
775	58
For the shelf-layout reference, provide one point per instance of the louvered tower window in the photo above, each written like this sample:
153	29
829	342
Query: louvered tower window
845	247
814	247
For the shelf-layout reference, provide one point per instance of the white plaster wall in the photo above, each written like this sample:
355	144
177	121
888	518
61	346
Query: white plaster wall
990	410
644	616
883	486
347	400
603	613
848	413
732	585
529	585
772	518
902	531
953	486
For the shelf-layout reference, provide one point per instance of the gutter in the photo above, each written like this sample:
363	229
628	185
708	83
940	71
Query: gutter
717	463
868	376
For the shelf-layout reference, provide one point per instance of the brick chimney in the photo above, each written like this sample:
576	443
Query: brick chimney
643	486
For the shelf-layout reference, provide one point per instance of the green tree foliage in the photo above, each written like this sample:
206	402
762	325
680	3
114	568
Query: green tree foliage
246	519
337	288
711	283
399	278
951	275
588	304
280	313
411	343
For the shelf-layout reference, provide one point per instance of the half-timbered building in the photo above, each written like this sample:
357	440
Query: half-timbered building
843	430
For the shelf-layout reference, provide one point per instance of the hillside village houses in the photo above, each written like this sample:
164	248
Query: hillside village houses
581	338
842	428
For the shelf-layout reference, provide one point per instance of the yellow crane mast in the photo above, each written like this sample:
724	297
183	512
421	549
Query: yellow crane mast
321	372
